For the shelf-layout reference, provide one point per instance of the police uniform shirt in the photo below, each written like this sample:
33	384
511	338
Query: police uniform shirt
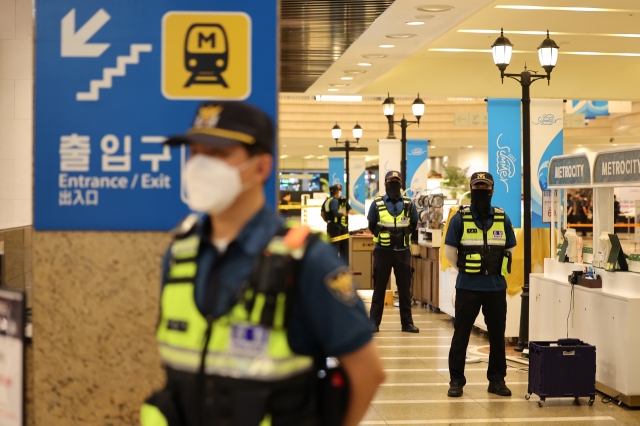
480	282
334	207
394	207
327	315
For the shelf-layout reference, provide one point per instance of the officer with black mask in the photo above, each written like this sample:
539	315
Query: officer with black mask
392	219
479	244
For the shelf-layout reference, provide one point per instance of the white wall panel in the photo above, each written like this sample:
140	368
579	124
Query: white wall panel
16	113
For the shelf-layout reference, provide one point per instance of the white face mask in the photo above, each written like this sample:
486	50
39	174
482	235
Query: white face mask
212	184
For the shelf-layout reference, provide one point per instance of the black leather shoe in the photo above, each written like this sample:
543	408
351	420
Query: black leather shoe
374	328
410	328
455	390
499	388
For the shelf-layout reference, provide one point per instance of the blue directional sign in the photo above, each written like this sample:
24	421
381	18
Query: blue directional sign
114	79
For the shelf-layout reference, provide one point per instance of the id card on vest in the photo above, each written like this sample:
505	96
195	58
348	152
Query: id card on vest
247	339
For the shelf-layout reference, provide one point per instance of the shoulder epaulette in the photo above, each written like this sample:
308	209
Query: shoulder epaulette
186	226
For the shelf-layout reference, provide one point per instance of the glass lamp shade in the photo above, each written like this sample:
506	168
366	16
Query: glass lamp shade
548	53
418	107
357	131
388	106
336	132
501	50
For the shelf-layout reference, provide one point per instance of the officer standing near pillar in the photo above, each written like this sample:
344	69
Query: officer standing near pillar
392	219
250	303
336	210
479	244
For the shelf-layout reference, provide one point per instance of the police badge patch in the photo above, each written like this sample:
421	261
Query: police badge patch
341	286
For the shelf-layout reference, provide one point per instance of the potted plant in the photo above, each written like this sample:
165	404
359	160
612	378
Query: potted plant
456	179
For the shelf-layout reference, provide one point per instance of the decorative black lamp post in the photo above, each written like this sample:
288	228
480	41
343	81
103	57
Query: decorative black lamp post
336	133
548	55
388	108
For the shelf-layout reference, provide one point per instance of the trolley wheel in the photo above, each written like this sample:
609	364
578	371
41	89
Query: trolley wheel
576	401
527	396
591	402
540	404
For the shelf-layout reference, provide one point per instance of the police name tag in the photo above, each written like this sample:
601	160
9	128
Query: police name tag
404	219
249	339
498	234
472	231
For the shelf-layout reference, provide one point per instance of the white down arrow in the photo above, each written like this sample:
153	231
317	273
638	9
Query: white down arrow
73	44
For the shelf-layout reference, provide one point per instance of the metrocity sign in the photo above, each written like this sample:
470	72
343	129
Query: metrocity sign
114	79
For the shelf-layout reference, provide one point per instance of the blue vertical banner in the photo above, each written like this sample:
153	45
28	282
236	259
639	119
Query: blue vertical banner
115	78
505	155
417	167
336	171
547	141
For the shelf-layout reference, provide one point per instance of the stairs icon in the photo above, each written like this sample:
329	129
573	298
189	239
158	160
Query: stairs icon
108	73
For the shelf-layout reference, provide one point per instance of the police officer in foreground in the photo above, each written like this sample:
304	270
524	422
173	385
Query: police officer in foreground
479	244
249	303
392	218
336	210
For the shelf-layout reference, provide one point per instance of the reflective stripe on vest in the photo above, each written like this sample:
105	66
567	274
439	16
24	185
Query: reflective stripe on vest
473	252
239	347
396	223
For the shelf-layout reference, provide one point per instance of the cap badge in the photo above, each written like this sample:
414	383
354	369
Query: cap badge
481	176
208	116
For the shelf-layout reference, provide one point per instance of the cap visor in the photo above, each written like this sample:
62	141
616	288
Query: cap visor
201	138
482	180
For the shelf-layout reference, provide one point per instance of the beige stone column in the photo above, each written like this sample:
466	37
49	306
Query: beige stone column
96	305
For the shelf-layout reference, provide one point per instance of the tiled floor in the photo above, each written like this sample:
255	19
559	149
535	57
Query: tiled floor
415	390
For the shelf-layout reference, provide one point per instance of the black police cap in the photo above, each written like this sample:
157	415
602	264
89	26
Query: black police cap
221	124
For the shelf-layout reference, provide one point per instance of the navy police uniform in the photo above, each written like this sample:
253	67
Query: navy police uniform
386	258
324	318
338	224
486	290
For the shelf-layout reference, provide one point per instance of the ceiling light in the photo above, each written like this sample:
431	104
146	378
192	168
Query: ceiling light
552	33
601	53
284	146
563	8
415	23
434	8
432	147
364	64
375	56
320	146
346	78
469	146
283	156
339	98
614	144
332	90
353	71
579	144
400	35
386	46
447	49
424	16
339	85
308	156
454	50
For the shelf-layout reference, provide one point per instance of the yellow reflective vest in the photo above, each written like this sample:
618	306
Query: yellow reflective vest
393	231
244	350
483	251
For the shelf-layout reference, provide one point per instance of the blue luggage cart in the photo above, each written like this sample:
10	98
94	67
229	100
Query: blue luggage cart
566	368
